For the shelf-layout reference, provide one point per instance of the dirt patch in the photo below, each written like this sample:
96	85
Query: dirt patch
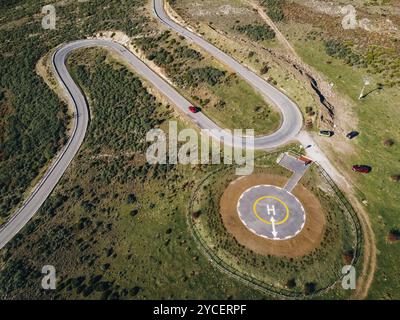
307	240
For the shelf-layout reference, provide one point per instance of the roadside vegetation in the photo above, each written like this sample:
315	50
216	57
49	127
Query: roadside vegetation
34	121
114	222
339	50
256	32
222	95
238	30
274	9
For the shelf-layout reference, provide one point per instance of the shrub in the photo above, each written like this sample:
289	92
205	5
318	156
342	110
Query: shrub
134	291
339	50
257	32
274	9
220	104
348	256
209	75
394	235
134	212
196	214
131	199
291	283
310	288
276	14
264	69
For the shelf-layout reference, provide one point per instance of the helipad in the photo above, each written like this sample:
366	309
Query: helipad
271	212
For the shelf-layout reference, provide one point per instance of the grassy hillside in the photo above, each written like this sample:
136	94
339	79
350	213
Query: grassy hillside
115	226
223	95
234	27
378	119
33	120
345	58
130	241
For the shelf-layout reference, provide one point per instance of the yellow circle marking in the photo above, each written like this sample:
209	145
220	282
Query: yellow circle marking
274	198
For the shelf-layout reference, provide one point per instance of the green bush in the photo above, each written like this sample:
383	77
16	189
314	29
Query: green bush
257	32
209	75
274	9
339	50
276	14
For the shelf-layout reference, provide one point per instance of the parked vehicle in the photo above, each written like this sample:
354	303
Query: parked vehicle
193	109
362	169
352	134
326	133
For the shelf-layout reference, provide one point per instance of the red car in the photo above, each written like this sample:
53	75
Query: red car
194	109
362	169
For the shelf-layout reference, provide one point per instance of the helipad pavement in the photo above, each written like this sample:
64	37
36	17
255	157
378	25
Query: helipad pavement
271	212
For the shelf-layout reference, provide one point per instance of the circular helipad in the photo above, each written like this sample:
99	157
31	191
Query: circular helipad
271	212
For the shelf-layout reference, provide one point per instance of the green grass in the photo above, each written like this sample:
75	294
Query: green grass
33	128
242	107
219	30
378	120
86	230
245	109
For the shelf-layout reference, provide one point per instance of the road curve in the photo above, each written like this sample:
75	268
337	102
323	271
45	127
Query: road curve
292	120
291	117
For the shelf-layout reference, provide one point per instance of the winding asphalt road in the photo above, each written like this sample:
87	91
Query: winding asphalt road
292	120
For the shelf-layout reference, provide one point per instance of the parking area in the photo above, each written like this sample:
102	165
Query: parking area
298	165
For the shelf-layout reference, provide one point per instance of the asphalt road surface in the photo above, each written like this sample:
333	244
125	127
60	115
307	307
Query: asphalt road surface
291	116
292	119
271	212
298	168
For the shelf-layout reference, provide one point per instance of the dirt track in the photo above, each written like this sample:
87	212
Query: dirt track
307	240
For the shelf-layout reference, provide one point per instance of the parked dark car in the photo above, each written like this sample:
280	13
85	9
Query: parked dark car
352	135
362	169
326	133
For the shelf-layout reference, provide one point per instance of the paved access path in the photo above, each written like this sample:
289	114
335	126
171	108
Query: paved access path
295	165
